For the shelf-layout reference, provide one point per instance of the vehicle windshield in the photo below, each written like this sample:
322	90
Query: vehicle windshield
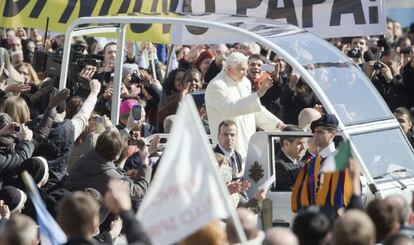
385	152
343	83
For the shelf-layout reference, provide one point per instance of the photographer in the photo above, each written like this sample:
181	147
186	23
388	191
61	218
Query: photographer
296	95
24	150
143	87
143	56
357	50
97	167
109	53
408	74
386	77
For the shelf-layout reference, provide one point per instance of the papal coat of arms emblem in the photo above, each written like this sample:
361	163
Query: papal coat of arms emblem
256	171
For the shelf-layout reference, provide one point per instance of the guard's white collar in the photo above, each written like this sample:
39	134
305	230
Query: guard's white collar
325	152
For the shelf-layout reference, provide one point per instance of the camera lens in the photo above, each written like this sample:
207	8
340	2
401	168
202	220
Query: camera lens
354	53
377	66
406	50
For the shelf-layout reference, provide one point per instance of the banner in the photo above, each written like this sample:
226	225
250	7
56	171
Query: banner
325	18
33	13
186	192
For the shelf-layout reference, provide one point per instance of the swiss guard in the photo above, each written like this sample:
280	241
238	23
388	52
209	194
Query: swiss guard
331	190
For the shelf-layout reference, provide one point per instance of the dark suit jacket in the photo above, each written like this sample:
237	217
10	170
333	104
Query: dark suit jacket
217	149
286	172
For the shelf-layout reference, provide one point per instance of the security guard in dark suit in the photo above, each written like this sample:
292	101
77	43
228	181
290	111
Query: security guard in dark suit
287	163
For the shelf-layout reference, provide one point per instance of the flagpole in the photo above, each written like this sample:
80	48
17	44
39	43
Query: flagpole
223	191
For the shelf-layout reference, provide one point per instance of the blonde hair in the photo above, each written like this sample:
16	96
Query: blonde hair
17	109
210	234
32	73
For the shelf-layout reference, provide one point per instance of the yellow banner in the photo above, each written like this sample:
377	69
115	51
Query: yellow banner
34	13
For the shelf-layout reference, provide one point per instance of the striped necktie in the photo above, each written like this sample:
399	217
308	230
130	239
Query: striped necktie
233	163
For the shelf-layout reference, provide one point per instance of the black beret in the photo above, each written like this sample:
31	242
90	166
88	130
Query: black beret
37	167
326	120
12	197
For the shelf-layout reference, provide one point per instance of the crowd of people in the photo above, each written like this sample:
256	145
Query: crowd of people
92	175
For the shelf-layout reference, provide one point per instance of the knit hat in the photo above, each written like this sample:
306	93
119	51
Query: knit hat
37	167
13	197
5	119
127	105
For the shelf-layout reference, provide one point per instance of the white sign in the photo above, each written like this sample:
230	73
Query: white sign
185	193
266	185
325	18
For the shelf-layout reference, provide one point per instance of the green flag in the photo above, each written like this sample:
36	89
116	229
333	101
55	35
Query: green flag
339	161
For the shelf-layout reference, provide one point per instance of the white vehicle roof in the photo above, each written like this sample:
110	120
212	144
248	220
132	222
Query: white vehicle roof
341	86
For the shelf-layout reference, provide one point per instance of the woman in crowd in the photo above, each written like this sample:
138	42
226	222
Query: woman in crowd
192	81
28	73
203	62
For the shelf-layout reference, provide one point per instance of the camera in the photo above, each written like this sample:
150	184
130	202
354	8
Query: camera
377	66
135	77
100	119
16	129
140	143
406	50
354	53
51	62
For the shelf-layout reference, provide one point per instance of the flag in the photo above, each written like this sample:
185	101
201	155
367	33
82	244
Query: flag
50	231
186	192
338	161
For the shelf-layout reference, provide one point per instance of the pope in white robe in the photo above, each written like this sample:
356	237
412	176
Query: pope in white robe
229	97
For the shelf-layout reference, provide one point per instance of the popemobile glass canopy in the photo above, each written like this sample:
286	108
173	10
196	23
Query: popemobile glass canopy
341	86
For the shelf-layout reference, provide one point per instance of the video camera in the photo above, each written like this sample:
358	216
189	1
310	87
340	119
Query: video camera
50	63
377	64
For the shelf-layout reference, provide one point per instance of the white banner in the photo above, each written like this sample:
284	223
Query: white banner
185	193
325	18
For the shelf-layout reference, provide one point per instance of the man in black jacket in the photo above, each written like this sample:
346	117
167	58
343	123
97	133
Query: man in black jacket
389	81
97	167
405	118
10	161
287	162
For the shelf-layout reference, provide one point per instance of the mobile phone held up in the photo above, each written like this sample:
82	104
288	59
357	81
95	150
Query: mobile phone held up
136	112
268	68
99	119
16	129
